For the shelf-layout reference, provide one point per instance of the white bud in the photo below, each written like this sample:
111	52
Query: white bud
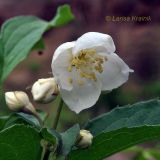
45	90
18	100
85	139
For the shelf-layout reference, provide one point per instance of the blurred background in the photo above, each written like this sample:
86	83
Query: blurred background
137	42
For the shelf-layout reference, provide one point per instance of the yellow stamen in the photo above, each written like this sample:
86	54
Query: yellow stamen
87	63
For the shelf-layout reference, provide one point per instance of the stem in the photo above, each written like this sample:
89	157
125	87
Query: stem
55	124
58	114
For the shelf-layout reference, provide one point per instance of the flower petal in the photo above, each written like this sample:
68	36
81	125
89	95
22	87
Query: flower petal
60	63
62	53
82	97
115	73
94	40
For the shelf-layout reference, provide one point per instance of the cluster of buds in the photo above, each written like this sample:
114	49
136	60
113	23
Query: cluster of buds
43	91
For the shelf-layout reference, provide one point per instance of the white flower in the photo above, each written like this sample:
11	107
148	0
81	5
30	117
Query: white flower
18	101
45	90
86	67
85	139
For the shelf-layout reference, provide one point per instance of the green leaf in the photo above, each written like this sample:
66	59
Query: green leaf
7	121
138	114
51	136
63	16
121	128
30	119
20	142
13	119
19	35
39	45
108	143
18	118
3	120
63	142
69	138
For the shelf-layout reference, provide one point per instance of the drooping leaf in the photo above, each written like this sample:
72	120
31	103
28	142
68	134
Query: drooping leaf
108	143
138	114
19	35
20	142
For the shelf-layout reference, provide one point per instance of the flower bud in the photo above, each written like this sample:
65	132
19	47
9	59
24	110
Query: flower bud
18	101
85	139
45	90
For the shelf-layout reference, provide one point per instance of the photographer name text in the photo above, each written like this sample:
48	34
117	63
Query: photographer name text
128	18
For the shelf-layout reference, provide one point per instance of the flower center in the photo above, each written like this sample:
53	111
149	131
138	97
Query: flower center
87	64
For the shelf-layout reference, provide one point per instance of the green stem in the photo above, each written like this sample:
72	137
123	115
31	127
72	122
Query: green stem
55	124
58	114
